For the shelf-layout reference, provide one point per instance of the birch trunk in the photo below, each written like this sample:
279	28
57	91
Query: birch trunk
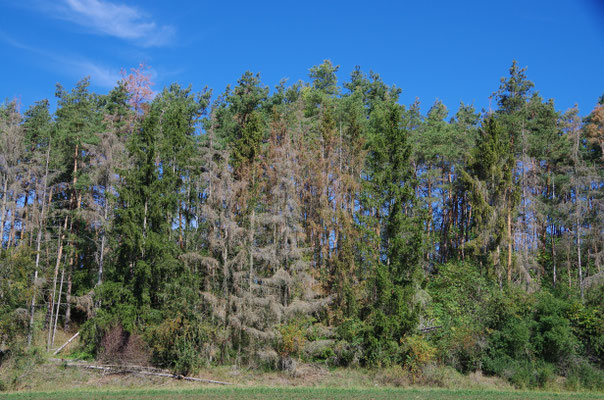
3	210
38	244
54	329
54	281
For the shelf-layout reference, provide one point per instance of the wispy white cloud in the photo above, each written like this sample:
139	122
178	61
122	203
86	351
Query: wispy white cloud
100	75
113	19
75	67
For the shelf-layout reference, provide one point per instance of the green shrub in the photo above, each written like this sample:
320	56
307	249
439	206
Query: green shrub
588	325
462	346
523	374
583	375
293	337
187	357
512	341
554	339
349	350
459	297
20	363
346	354
183	344
381	353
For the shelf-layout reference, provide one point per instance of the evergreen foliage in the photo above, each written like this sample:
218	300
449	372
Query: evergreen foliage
315	222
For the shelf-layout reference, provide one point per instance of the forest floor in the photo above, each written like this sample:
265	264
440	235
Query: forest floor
58	381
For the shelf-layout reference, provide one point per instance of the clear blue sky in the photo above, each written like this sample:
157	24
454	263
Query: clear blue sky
451	50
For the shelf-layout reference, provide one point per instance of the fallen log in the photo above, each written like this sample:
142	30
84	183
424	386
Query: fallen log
429	329
140	370
65	344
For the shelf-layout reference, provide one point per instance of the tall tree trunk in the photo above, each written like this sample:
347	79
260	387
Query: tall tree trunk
570	281
3	212
225	264
579	258
77	197
103	239
54	329
38	244
62	229
12	224
145	227
498	267
251	248
25	234
509	247
553	234
67	321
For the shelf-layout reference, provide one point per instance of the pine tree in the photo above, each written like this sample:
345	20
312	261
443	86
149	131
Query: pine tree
76	122
108	156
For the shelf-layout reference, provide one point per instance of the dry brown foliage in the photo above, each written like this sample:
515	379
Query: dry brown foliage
121	347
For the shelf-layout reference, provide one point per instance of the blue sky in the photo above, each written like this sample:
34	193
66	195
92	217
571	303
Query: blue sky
448	50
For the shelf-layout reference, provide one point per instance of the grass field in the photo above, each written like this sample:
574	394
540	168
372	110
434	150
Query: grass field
54	380
296	394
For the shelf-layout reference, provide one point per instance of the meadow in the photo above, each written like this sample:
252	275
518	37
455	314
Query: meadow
296	393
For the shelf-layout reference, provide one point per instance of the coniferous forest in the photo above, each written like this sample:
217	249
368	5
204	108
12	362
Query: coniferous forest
314	222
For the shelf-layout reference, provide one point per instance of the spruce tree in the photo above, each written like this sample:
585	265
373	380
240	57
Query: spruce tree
493	196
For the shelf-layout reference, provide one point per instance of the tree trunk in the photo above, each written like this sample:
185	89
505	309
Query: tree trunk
225	264
3	210
553	235
74	253
12	225
103	238
54	281
38	244
54	329
509	247
251	248
579	258
67	321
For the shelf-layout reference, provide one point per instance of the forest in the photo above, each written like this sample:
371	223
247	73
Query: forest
313	222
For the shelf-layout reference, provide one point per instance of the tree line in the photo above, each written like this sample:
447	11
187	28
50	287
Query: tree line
314	221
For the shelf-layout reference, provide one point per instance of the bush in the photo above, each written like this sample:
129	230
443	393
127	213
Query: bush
418	354
293	337
119	346
382	353
19	364
346	354
118	308
554	339
462	346
513	341
349	350
522	373
586	376
183	344
187	358
588	325
460	296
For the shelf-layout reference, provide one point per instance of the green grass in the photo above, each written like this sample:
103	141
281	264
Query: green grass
295	394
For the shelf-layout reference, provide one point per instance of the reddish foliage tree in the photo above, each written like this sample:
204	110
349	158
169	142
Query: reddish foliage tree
138	83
